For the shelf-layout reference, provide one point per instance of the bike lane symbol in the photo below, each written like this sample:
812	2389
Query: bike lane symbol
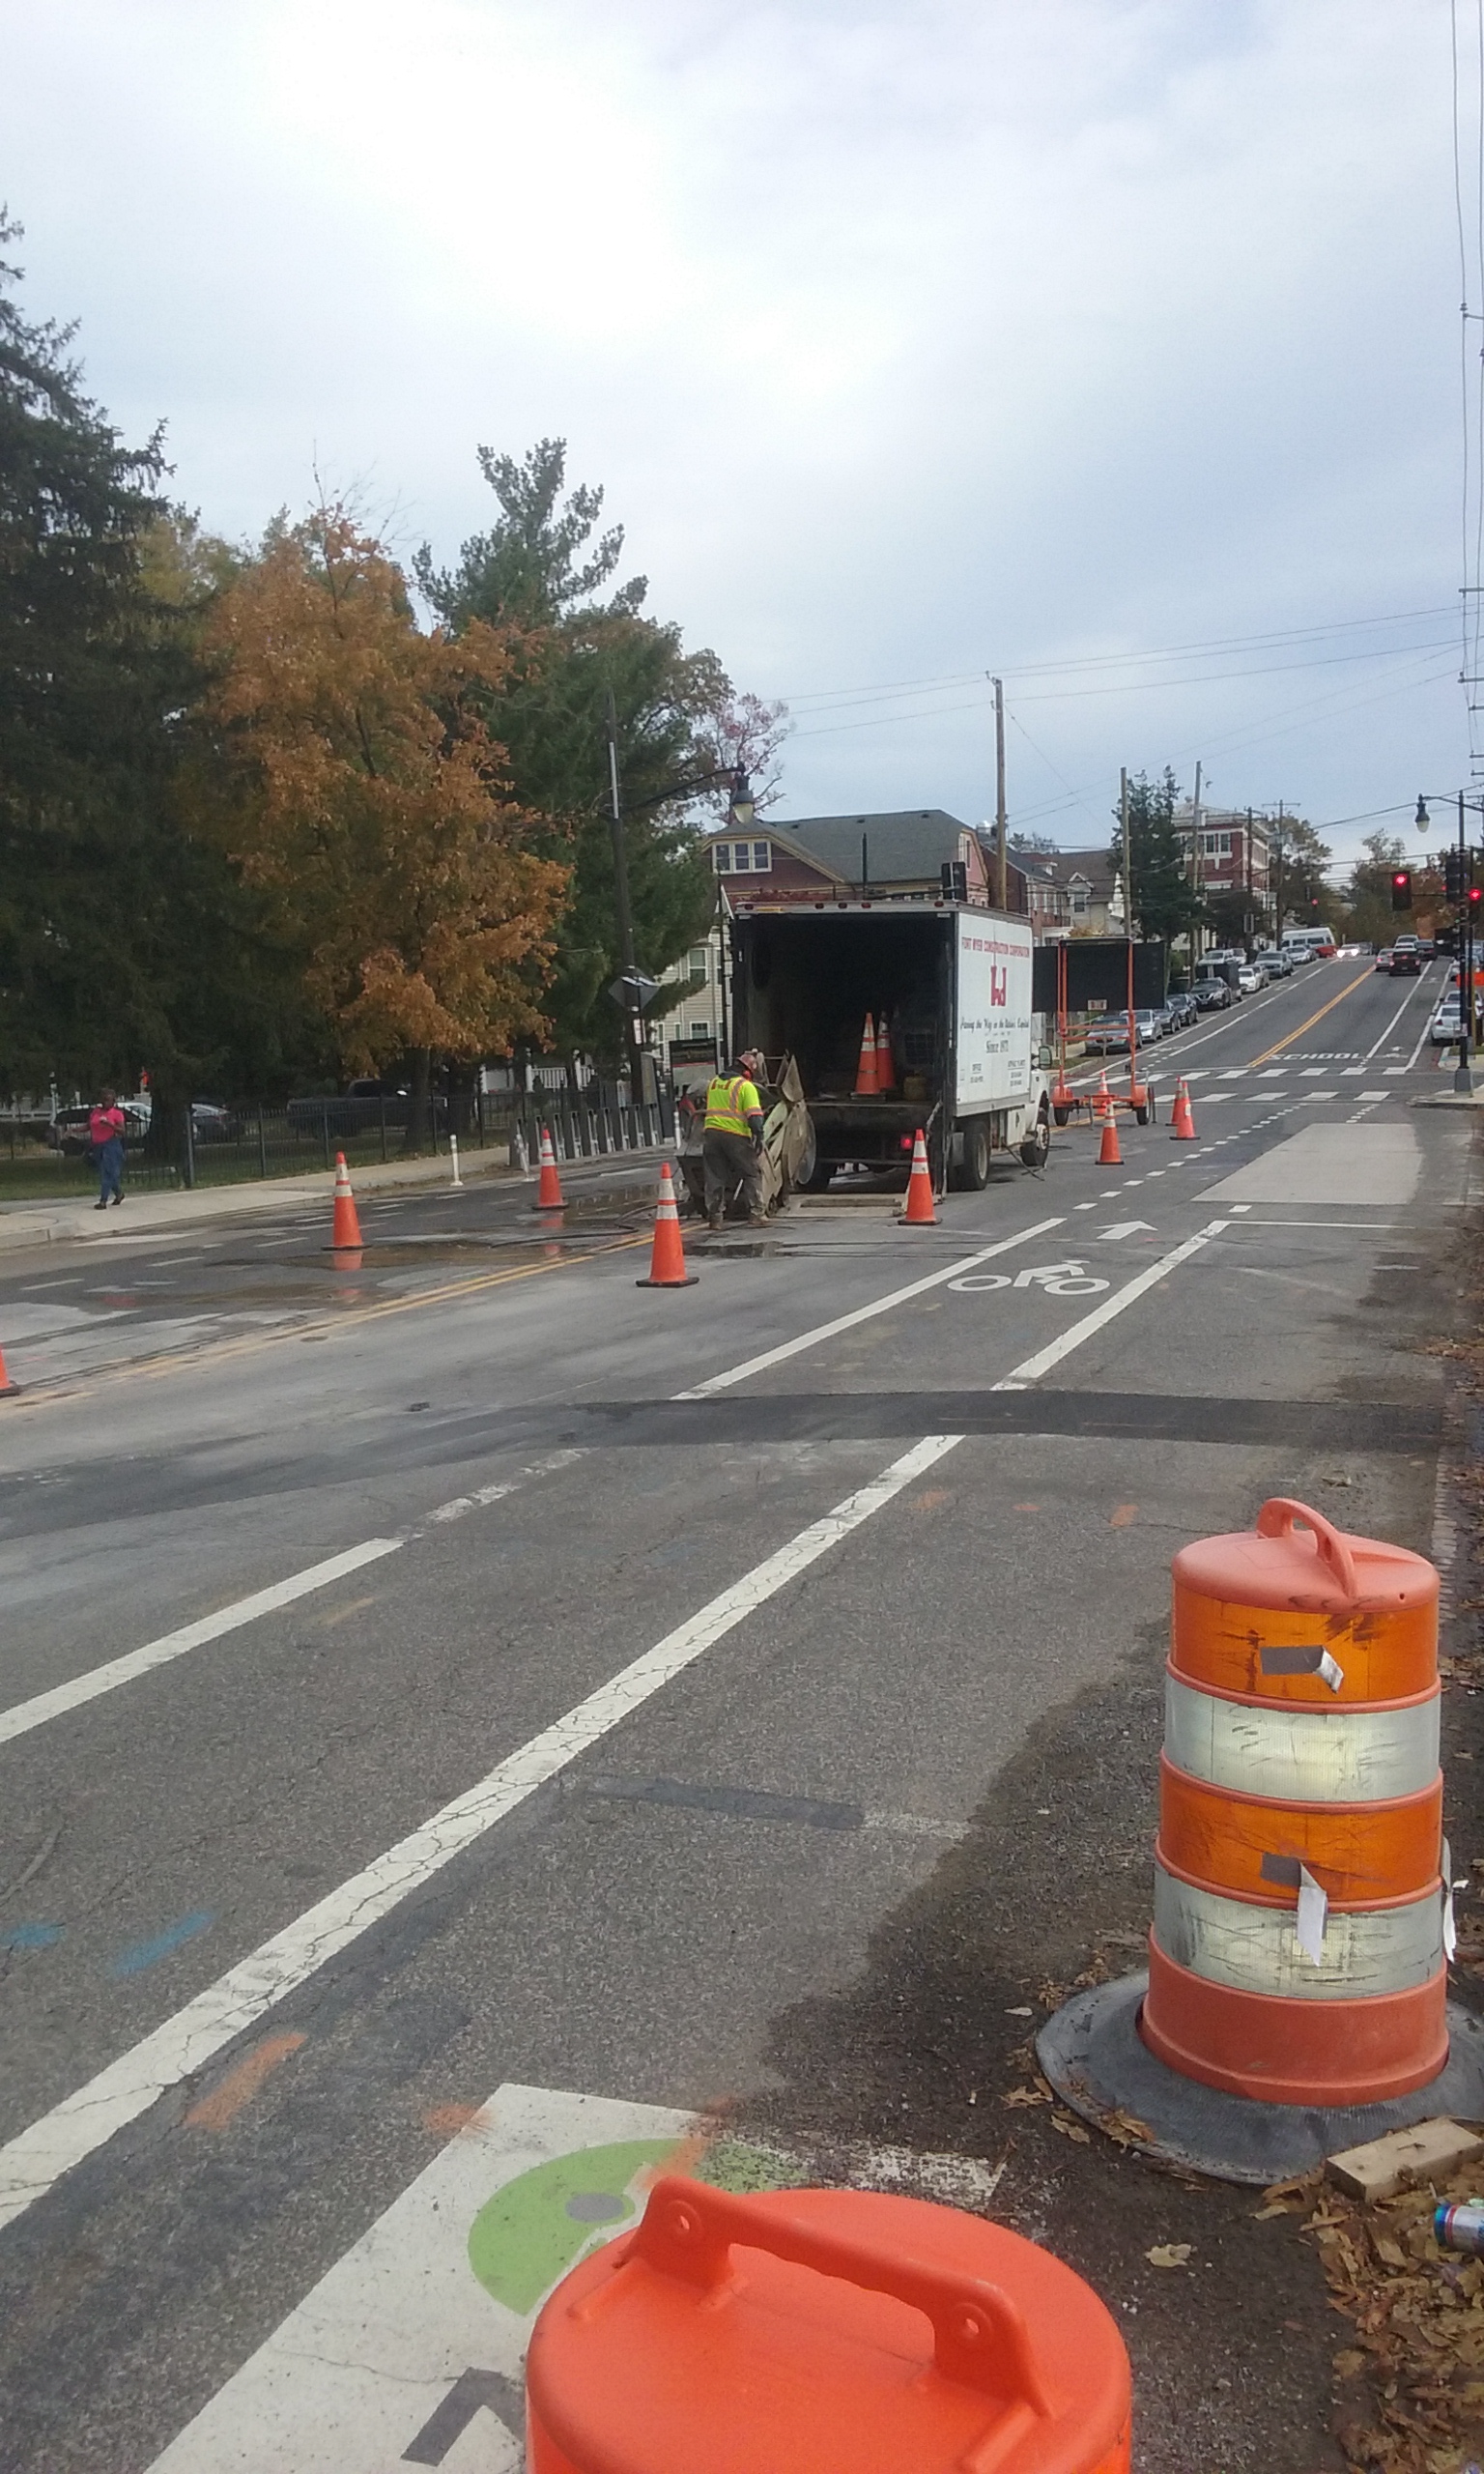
1057	1279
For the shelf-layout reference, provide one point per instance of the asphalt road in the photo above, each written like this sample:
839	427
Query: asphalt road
471	1668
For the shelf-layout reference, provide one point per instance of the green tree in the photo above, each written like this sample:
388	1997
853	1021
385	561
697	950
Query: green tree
1368	895
1157	872
123	943
1302	895
540	573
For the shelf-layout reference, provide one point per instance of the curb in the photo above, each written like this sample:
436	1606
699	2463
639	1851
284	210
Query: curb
71	1223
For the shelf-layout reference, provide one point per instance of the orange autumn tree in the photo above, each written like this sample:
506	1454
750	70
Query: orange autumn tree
372	807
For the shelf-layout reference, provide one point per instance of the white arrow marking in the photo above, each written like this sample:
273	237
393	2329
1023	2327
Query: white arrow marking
1126	1228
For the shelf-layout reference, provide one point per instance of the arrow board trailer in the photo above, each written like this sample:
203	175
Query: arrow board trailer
954	982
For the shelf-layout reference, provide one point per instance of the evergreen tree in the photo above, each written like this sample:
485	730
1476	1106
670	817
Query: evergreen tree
539	570
124	945
1158	880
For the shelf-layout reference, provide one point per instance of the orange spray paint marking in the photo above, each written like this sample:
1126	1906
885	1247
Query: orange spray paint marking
1124	1516
240	2086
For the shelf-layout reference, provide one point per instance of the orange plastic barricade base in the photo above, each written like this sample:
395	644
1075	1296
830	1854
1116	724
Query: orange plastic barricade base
856	2334
1295	2052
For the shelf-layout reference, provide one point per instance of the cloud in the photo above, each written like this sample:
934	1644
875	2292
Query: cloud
909	343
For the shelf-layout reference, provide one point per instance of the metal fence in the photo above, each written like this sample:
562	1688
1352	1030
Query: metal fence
222	1146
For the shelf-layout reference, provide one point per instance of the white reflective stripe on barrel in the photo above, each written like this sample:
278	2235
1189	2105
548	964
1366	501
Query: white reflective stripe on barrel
1255	1949
1341	1756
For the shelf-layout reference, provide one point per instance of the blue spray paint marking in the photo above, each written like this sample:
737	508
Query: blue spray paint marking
145	1954
30	1936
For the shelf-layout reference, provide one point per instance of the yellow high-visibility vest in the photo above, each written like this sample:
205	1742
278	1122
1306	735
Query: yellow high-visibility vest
730	1099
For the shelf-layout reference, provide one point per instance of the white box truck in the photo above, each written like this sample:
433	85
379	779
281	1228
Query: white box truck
954	982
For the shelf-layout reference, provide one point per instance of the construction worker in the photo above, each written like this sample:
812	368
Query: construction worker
731	1142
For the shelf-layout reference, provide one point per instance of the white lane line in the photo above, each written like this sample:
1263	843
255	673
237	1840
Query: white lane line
1032	1369
459	1505
26	1715
36	2158
861	1313
1421	1042
1395	1018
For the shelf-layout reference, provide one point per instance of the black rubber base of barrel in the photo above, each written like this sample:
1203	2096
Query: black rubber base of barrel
1094	2055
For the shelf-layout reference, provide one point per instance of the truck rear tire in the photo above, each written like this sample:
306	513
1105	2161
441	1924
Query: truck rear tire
972	1175
820	1172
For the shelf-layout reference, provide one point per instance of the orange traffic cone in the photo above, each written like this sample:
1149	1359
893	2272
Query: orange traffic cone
667	1255
1109	1155
1181	1122
886	1072
549	1190
1102	1106
867	1087
346	1231
920	1213
6	1387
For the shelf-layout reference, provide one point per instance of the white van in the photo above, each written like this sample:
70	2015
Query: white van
1310	944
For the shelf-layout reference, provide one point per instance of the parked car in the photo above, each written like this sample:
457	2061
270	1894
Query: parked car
1383	958
1272	962
67	1132
360	1103
1185	1009
1249	979
1109	1038
1149	1024
1446	1027
1213	995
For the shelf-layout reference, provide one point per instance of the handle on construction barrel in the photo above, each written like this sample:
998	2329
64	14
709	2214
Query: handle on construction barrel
981	2338
1277	1520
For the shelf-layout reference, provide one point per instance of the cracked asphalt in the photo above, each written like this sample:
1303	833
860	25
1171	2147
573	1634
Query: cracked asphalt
826	1870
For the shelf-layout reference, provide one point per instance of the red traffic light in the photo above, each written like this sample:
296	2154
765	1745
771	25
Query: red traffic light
1401	888
1475	896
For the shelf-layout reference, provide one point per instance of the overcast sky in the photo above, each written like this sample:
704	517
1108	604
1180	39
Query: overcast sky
909	342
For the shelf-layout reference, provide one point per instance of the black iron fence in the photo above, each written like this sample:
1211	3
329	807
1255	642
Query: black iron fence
215	1145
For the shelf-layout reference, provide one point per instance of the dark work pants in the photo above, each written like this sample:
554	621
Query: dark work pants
724	1158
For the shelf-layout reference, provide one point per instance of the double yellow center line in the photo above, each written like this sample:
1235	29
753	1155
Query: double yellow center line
1280	1046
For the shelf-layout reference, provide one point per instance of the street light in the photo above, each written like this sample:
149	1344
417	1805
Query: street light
1462	1079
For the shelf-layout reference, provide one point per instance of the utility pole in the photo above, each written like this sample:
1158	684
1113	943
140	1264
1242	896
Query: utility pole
1277	908
622	902
1195	865
1462	1079
1001	823
1249	916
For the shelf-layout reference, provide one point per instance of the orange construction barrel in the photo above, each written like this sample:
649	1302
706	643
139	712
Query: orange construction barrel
824	2331
1298	1945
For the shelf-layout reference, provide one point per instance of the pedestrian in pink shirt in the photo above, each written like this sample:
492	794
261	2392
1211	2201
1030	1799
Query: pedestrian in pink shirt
105	1132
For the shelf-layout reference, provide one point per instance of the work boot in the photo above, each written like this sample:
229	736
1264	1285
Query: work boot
715	1226
758	1220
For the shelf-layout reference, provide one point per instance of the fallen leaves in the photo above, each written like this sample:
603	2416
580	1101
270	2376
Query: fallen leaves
1418	2349
1170	2255
1070	2129
1017	2096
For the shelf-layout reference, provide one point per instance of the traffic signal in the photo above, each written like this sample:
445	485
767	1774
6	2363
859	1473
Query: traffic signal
1475	901
1453	874
1401	888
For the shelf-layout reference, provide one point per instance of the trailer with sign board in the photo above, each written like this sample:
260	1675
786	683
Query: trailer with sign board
963	1055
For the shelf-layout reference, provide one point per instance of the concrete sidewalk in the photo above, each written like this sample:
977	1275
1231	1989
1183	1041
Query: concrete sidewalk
76	1222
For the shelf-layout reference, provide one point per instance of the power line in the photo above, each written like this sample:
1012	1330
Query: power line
1263	640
